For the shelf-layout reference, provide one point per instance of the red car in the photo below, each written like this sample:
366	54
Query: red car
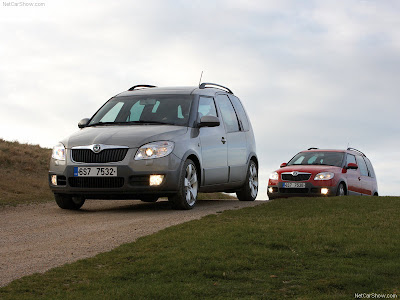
316	172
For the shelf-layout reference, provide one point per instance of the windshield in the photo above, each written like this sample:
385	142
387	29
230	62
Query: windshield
318	158
152	109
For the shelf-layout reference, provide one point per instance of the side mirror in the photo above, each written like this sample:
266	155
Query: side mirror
283	165
82	123
209	121
352	166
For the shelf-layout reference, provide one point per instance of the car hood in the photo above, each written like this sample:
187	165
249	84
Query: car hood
313	169
132	136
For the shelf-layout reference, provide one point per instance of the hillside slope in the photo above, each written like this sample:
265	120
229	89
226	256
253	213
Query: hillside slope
23	173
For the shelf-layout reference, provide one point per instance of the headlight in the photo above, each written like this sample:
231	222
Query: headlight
58	152
324	176
154	150
274	176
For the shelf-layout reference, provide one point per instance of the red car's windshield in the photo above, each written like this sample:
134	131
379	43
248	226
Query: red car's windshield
327	158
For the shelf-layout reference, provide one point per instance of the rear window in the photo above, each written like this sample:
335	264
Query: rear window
240	111
370	168
326	158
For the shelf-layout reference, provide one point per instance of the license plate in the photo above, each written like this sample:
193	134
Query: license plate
95	171
294	185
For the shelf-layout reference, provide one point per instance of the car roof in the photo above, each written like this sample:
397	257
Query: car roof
349	150
184	90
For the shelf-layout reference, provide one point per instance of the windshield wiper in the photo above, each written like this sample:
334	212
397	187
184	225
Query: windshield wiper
128	123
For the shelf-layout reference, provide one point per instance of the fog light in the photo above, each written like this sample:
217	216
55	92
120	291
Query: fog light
324	191
156	179
271	189
54	179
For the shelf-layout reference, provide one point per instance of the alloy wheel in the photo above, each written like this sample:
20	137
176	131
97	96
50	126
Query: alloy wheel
253	180
191	184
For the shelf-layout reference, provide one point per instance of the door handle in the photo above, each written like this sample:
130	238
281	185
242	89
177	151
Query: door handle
359	178
223	140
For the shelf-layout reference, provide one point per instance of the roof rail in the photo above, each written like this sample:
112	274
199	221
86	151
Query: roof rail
218	86
353	149
136	87
313	148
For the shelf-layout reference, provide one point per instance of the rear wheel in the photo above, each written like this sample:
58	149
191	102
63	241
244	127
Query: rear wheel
149	198
68	201
250	189
341	191
186	196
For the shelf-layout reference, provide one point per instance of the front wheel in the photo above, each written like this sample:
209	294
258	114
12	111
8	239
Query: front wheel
186	196
250	189
68	201
341	191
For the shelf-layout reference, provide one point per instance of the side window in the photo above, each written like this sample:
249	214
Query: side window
362	166
228	113
207	107
370	168
112	114
351	159
240	110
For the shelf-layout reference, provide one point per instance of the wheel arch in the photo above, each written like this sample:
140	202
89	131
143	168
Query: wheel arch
193	157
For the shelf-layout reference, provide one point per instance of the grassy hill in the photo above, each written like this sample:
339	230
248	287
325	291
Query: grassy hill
23	173
299	248
24	170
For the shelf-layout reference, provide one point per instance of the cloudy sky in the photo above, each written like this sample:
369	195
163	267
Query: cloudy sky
310	73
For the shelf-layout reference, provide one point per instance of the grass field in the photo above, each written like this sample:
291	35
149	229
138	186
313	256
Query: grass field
303	248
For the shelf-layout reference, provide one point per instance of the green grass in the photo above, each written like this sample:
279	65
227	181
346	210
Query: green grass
303	248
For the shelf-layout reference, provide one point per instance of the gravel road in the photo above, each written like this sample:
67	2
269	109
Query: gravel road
36	238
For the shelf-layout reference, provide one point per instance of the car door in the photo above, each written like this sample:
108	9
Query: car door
366	186
236	140
214	149
353	177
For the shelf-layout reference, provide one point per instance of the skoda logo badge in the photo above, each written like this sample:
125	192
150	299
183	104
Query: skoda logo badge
96	148
295	173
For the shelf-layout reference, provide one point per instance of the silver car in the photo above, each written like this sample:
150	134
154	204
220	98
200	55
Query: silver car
151	142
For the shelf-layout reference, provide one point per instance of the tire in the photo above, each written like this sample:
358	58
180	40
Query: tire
249	190
186	196
69	202
341	190
149	198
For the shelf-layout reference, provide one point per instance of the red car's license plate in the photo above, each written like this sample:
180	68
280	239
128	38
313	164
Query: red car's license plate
294	185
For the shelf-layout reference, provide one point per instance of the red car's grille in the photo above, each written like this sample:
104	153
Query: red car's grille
299	177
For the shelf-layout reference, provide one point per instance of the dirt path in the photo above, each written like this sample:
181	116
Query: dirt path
36	238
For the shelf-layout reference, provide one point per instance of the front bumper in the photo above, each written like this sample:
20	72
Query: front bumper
310	190
131	182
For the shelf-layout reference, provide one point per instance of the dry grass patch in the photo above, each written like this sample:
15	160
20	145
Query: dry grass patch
23	173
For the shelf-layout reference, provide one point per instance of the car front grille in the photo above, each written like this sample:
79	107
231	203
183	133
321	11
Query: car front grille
293	191
96	182
299	177
105	156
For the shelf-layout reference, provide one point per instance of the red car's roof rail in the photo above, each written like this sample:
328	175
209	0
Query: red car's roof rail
218	86
140	86
313	148
353	149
